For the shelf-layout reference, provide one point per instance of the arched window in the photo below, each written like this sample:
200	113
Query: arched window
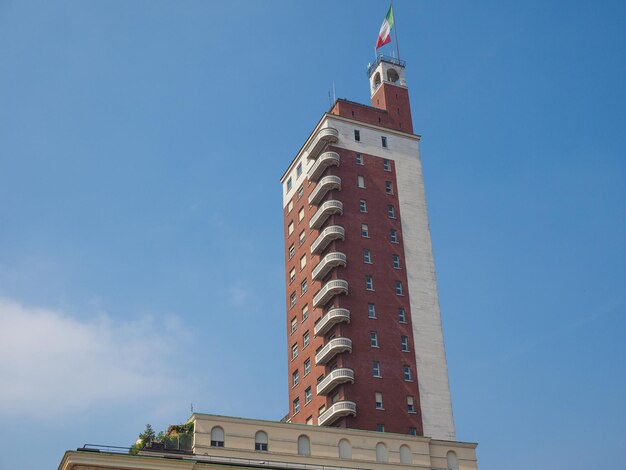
304	445
381	453
260	441
405	455
217	437
345	449
392	76
453	461
377	79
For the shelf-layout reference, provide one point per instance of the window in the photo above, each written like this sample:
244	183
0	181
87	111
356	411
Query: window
357	135
308	395
300	192
410	405
292	274
371	311
360	181
304	445
299	169
363	205
404	343
407	373
294	351
399	288
309	421
294	324
401	315
321	410
383	141
396	262
292	299
295	378
305	312
394	236
289	206
260	441
296	406
369	283
359	159
307	367
289	185
367	256
452	461
301	237
405	455
391	212
376	369
413	431
290	228
292	251
388	187
303	261
373	339
345	449
301	215
304	286
378	397
386	165
306	339
365	231
380	428
217	437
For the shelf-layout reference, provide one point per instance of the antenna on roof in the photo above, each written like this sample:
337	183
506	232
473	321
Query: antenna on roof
334	94
191	408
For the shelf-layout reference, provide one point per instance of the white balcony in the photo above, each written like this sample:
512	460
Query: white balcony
330	261
324	185
332	317
324	161
323	138
336	411
334	232
330	289
336	377
332	348
324	212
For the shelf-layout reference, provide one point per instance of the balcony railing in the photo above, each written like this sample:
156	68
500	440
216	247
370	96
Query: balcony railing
324	161
323	186
330	289
336	377
336	411
332	348
334	232
323	138
330	261
332	317
324	212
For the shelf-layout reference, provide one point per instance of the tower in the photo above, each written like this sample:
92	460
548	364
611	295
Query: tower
365	344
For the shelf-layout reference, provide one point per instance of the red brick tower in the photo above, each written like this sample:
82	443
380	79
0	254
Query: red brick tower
365	345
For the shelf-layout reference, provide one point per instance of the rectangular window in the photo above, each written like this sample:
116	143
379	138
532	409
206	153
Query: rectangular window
383	141
299	169
292	251
401	315
307	367
288	186
380	427
294	351
404	343
304	286
359	159
321	409
386	165
360	181
378	398
388	187
373	339
369	283
407	373
365	231
309	421
296	406
290	228
301	237
294	324
292	299
300	192
399	288
357	135
305	312
301	215
391	212
413	431
371	311
292	274
363	205
289	206
303	261
295	378
308	395
394	236
410	405
367	256
396	262
306	339
376	369
320	378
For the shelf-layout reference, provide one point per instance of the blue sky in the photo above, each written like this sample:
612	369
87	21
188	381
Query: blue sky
141	255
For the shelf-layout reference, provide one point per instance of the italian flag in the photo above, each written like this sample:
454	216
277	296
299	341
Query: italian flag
385	29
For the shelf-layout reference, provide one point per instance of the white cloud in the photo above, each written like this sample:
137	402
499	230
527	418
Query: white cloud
51	363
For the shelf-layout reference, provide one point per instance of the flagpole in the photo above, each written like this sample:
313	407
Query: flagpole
395	31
